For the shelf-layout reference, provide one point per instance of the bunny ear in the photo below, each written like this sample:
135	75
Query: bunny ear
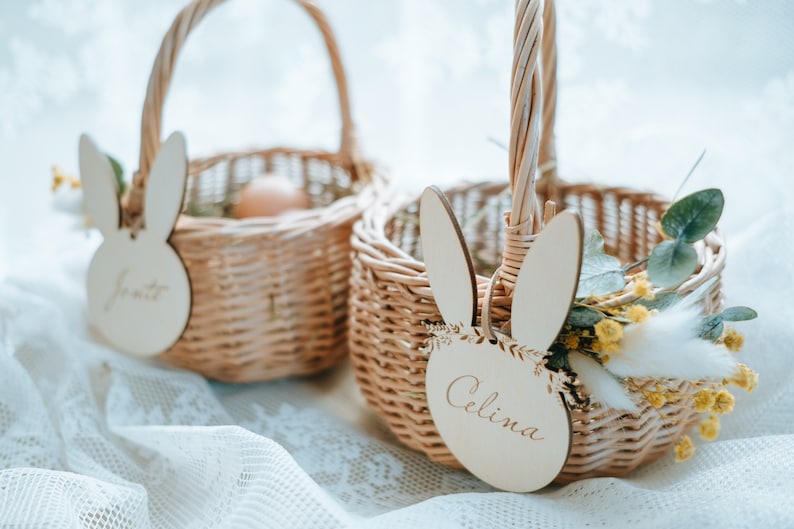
100	190
447	260
165	187
547	282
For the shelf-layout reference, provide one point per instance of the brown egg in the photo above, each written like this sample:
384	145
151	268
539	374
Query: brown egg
270	195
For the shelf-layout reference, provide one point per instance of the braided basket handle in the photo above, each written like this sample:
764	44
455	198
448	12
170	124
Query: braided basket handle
547	158
160	80
531	126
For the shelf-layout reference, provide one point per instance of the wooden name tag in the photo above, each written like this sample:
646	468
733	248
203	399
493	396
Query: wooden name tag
498	408
138	290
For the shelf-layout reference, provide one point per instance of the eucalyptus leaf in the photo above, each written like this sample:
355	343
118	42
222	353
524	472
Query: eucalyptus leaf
711	327
593	243
583	317
670	263
118	172
739	314
600	275
660	301
694	216
558	360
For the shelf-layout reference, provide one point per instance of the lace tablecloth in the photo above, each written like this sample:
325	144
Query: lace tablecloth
90	437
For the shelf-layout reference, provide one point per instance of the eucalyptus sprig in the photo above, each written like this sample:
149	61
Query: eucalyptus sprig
711	327
685	222
601	274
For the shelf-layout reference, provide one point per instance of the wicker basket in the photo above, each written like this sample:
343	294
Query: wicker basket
391	299
269	294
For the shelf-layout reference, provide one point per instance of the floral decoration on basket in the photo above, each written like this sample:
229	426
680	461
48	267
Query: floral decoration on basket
550	354
626	329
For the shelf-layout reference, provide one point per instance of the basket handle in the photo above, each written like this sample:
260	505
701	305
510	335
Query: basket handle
526	119
547	157
160	80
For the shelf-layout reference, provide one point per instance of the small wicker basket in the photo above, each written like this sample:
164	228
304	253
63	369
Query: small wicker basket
269	294
391	298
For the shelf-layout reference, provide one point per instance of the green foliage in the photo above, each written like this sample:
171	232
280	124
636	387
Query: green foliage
601	274
739	314
583	317
694	216
712	326
558	359
661	301
685	222
118	172
671	262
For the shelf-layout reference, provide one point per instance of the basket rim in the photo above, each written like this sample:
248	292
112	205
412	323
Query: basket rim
363	194
369	231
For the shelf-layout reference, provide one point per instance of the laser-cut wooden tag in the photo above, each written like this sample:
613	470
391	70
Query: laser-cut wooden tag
138	289
502	414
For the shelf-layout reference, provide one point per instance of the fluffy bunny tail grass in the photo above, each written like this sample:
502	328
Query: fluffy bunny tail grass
668	345
602	385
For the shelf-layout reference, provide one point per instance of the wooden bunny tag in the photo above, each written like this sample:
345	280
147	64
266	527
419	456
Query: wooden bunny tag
138	289
500	411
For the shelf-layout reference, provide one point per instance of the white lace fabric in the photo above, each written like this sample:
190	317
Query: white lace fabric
92	438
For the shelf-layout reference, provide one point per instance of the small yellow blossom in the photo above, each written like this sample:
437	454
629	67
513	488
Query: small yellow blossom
571	342
723	402
745	378
60	178
733	340
608	331
642	288
610	348
604	358
704	400
710	428
684	449
637	313
656	399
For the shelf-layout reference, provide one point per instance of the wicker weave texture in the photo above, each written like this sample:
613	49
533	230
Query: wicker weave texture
391	298
269	294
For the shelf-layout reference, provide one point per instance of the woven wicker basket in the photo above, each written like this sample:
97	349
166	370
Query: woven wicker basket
391	299
269	294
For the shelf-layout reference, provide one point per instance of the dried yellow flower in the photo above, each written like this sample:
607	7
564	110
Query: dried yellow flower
733	340
637	313
704	400
723	402
60	178
684	449
571	342
608	331
642	288
656	399
745	378
710	428
610	348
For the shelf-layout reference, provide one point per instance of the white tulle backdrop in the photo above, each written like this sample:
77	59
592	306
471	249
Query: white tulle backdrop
92	438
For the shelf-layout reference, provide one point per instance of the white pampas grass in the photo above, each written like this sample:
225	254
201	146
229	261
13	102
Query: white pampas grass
668	345
602	386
